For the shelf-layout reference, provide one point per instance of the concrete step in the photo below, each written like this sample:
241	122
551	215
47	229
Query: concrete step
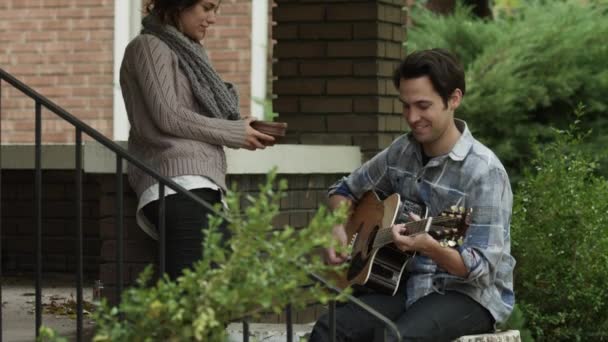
267	332
502	336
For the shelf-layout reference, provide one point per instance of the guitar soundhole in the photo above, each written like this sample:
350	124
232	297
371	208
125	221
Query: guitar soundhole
357	263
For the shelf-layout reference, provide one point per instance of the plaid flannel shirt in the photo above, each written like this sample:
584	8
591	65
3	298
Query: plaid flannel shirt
470	176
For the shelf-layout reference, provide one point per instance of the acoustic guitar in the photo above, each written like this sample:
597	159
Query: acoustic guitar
375	262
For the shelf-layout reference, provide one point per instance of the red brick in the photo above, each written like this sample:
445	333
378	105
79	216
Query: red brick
295	13
285	31
366	68
326	68
351	12
285	68
301	50
326	105
292	87
355	86
367	104
285	104
392	14
326	139
352	123
134	251
326	31
353	49
307	123
365	30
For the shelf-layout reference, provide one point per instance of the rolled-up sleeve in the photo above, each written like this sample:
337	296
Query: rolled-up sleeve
491	200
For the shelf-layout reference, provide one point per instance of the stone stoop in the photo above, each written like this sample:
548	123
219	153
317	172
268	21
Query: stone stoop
278	333
268	332
501	336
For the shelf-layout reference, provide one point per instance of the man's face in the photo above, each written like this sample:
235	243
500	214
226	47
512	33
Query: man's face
424	110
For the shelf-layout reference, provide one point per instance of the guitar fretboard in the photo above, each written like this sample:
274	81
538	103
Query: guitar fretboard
384	235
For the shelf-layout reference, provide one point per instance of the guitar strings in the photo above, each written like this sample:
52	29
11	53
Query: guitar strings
384	235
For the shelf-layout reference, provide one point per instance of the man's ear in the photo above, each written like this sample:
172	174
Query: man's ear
455	99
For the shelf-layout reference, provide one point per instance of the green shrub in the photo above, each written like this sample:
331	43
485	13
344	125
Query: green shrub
264	270
517	321
526	72
560	241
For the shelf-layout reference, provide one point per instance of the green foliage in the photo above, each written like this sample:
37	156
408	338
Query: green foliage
47	334
269	113
263	269
517	321
560	240
527	71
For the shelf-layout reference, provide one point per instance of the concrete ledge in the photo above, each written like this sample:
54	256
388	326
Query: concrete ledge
289	159
503	336
267	332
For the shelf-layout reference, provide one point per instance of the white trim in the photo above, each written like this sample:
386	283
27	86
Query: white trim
127	18
288	159
259	42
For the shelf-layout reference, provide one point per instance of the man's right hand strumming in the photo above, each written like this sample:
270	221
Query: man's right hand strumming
332	257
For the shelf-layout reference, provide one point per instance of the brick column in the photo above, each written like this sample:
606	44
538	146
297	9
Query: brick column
334	65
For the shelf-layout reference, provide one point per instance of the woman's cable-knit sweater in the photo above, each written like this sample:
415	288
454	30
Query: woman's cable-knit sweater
169	131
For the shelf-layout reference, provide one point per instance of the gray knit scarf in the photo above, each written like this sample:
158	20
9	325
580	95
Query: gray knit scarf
216	97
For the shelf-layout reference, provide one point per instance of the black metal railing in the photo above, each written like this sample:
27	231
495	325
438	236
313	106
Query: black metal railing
121	155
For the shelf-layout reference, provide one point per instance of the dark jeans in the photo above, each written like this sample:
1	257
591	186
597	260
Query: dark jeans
435	317
184	222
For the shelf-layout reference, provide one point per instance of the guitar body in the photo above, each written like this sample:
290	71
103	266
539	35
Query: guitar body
378	268
382	271
375	262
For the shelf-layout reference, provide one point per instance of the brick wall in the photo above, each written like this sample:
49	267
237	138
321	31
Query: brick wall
59	224
229	46
333	72
64	50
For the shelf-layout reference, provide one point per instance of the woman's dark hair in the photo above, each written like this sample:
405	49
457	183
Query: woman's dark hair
441	66
168	10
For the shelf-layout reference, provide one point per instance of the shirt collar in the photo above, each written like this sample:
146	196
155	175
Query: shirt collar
460	149
464	143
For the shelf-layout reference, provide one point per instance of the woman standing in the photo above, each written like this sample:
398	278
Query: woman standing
181	115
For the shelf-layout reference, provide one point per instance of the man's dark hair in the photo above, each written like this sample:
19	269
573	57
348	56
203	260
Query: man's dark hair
168	10
441	66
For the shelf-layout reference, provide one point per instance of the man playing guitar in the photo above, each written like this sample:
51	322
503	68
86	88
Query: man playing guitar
446	292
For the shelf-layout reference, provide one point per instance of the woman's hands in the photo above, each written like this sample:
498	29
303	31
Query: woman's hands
254	139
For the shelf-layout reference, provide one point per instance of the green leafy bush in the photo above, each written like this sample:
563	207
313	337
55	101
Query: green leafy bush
526	72
262	270
560	241
517	321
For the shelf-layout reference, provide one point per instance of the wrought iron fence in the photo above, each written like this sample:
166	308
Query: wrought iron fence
121	154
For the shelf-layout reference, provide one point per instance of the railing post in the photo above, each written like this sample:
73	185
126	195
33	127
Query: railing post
289	323
1	222
38	215
245	331
332	320
161	229
79	234
119	228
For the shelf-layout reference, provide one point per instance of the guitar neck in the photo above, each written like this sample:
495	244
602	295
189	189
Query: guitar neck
384	235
